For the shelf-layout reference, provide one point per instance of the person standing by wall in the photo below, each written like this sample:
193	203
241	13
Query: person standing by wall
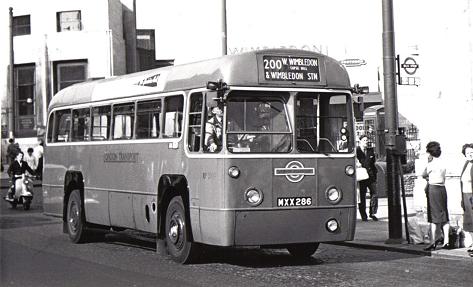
12	150
38	153
367	159
31	160
466	185
437	212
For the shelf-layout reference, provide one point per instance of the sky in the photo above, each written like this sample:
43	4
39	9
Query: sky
189	31
439	31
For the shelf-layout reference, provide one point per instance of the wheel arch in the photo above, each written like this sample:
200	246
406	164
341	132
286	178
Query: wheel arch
171	185
73	180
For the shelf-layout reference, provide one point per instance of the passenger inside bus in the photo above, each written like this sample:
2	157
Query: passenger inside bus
213	129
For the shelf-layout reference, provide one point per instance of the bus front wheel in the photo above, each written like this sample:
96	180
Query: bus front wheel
75	218
304	250
178	244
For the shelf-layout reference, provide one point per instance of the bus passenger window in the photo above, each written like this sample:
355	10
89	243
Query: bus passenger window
123	121
63	126
195	122
173	116
50	127
101	123
80	124
148	121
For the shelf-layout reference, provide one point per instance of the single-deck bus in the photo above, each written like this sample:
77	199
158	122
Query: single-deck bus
133	152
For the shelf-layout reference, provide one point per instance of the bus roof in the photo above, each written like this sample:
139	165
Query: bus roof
247	69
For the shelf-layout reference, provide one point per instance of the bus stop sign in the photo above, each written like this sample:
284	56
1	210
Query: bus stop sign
408	70
410	66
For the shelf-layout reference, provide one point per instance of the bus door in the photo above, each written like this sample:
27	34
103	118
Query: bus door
204	163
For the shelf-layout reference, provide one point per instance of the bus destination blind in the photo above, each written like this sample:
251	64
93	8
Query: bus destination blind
284	68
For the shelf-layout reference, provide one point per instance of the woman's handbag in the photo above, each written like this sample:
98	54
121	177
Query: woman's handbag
361	174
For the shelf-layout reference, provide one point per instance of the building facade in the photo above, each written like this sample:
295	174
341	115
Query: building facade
57	44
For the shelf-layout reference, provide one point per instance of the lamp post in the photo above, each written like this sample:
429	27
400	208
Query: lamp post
10	94
391	120
224	27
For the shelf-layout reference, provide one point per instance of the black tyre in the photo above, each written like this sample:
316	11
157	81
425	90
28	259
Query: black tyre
26	203
13	205
303	250
178	244
75	218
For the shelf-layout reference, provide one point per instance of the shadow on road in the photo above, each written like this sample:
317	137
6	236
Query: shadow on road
253	257
9	222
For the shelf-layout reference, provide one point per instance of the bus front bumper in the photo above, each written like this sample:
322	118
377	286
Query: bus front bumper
275	226
286	226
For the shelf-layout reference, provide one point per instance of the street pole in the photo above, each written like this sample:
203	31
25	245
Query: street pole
224	27
10	94
391	121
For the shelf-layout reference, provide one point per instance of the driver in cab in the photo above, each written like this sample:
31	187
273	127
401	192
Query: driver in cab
213	129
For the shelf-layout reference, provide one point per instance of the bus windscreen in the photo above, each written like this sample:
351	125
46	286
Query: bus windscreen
258	124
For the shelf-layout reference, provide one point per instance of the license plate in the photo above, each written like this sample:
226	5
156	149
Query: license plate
294	201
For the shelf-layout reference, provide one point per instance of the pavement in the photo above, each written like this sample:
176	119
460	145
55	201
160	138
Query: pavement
374	234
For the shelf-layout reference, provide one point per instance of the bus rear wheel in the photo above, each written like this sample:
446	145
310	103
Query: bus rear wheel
303	250
75	218
178	245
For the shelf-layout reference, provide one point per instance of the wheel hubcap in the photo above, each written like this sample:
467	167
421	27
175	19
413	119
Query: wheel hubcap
73	217
176	230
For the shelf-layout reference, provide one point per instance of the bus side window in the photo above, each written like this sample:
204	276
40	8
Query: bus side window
101	123
80	124
148	119
123	121
50	127
173	107
63	126
194	136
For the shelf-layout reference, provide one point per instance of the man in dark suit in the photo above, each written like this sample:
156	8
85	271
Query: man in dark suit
367	159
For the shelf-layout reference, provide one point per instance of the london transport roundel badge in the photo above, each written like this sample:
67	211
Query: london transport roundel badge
294	171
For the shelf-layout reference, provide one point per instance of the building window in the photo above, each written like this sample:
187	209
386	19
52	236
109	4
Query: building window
69	73
25	99
69	21
21	25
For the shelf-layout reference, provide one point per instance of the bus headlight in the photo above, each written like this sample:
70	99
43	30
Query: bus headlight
333	195
332	225
253	196
349	170
234	172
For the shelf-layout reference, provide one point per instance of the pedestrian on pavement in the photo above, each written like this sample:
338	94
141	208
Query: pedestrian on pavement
437	212
30	159
466	184
12	150
367	159
38	153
